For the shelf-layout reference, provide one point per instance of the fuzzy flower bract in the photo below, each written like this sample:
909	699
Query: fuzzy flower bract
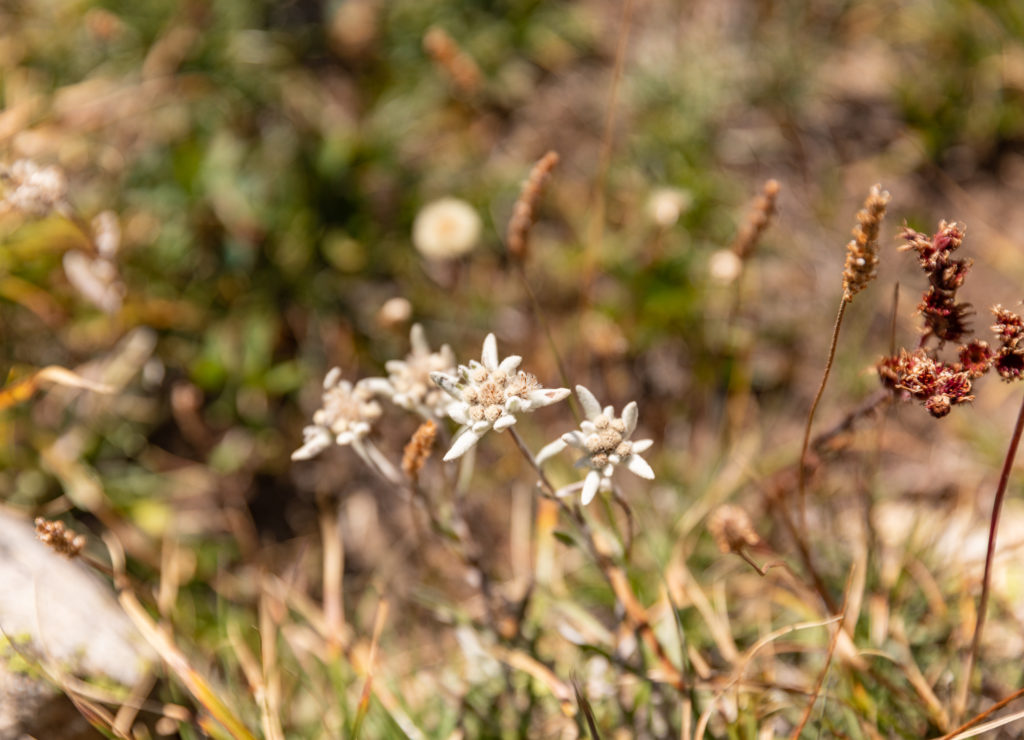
488	395
604	439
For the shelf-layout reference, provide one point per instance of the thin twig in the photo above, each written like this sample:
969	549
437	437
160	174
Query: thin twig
997	506
801	477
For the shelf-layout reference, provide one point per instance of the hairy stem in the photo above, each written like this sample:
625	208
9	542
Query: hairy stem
993	526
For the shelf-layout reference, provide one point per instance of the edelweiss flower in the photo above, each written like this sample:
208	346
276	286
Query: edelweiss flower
604	440
488	394
345	417
409	382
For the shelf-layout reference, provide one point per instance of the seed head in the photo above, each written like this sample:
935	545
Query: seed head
60	539
862	250
732	530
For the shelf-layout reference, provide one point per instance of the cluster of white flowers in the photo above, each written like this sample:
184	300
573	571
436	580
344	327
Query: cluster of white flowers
33	190
604	439
488	395
482	396
348	412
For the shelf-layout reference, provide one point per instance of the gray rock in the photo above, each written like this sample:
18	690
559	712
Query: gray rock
59	613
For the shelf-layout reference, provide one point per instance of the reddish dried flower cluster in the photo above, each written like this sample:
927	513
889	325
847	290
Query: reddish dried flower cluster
938	385
1009	329
944	318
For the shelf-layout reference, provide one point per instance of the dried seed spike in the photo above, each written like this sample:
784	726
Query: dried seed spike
418	449
862	250
59	538
757	220
447	54
523	214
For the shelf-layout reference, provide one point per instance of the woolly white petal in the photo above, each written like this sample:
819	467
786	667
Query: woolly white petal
418	340
629	416
550	450
591	408
332	377
459	412
377	386
448	384
465	439
575	439
317	439
638	466
546	396
489	356
642	445
510	363
590	486
504	422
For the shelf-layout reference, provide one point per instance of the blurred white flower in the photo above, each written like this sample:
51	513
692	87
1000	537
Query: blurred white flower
106	233
96	279
446	229
488	395
666	205
724	266
604	440
409	383
33	190
345	417
394	312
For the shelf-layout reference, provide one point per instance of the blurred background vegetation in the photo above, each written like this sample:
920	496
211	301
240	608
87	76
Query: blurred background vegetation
266	160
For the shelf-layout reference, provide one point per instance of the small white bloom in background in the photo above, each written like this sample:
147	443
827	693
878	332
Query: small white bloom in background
724	266
666	205
394	312
96	277
605	441
345	417
446	229
106	233
33	190
488	395
409	384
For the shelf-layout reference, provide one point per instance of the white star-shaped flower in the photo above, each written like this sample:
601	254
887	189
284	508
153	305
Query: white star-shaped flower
408	384
605	442
345	417
488	395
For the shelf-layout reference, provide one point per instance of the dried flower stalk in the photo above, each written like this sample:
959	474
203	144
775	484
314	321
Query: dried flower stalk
524	213
760	216
862	251
418	449
861	268
449	56
732	530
